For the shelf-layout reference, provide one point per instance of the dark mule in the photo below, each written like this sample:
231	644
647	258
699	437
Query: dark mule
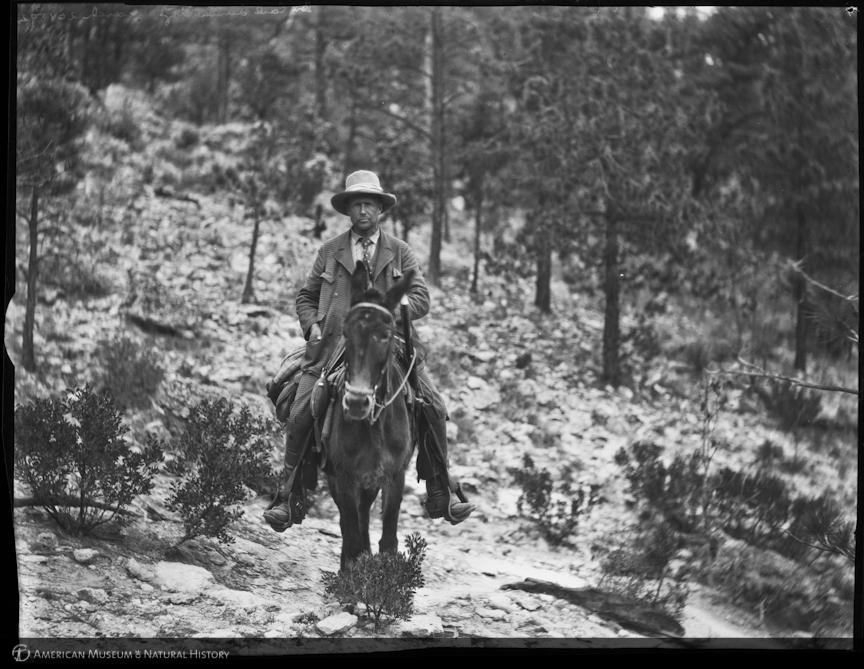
370	443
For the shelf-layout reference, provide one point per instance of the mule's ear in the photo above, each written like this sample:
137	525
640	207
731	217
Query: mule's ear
398	289
359	282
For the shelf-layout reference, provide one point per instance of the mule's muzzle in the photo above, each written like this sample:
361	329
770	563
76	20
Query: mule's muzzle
357	403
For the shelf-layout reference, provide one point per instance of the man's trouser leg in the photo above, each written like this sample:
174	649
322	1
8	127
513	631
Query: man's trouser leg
432	464
298	429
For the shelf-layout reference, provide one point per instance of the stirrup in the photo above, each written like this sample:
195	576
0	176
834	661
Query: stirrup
291	511
453	512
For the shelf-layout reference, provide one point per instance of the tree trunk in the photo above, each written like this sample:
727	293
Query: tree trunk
799	287
478	213
248	290
437	147
223	77
352	136
32	276
543	290
611	321
320	74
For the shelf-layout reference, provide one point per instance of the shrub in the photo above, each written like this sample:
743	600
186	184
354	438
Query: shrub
768	454
642	568
752	506
556	512
122	124
218	451
384	582
75	277
73	455
186	139
130	373
774	588
792	405
676	491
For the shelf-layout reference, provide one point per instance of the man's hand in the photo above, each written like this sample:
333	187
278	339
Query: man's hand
314	332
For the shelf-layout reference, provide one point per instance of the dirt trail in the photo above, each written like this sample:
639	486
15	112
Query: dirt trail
268	585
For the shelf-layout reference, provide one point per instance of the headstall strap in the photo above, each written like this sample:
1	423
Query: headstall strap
371	305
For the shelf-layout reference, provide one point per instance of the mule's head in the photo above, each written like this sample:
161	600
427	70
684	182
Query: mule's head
368	338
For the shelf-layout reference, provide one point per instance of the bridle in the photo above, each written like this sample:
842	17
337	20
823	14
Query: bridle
377	407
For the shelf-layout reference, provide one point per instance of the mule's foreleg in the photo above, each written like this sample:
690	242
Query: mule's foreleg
349	522
391	502
365	500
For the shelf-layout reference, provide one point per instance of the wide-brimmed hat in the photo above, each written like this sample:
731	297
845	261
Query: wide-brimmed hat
362	182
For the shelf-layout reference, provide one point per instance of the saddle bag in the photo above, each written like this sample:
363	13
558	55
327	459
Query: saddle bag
282	388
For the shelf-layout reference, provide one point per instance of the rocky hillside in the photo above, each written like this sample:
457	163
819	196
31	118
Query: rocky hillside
168	258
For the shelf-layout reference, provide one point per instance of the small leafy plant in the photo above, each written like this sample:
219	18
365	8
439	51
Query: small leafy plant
131	374
556	511
645	569
73	455
219	451
384	583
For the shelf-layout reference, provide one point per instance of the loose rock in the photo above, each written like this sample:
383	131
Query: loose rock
180	577
337	624
492	614
84	555
137	570
93	595
420	626
45	542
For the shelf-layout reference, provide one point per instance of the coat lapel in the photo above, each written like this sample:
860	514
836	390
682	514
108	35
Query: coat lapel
384	256
343	252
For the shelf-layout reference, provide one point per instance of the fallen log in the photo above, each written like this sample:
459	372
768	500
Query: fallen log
628	612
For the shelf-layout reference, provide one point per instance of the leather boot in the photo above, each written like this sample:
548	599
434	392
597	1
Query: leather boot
440	502
289	507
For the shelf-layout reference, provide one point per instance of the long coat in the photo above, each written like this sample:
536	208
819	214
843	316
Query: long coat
326	296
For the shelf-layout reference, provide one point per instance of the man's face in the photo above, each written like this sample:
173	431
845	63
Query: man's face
364	211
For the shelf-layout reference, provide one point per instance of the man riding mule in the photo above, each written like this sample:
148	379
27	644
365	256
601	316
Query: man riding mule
322	306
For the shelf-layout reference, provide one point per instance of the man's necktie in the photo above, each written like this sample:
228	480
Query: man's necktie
367	245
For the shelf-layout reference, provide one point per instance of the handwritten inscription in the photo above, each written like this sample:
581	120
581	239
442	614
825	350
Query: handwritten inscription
37	16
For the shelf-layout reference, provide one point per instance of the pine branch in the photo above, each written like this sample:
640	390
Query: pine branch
826	546
795	266
761	373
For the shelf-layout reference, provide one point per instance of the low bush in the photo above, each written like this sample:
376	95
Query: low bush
774	589
73	455
790	404
75	276
220	451
644	568
678	491
130	373
555	509
384	583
